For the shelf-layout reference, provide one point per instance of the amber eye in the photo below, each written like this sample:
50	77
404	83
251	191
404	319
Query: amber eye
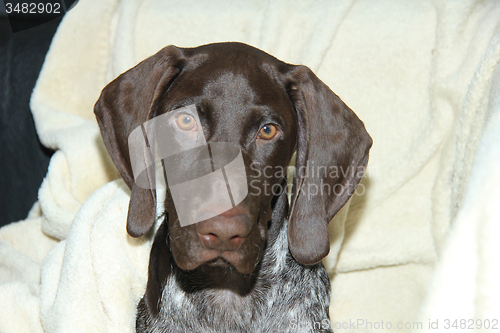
185	121
268	132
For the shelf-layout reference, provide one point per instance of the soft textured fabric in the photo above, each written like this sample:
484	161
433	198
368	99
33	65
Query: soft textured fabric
422	75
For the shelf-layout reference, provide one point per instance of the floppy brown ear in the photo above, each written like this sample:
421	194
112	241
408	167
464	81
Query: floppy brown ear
332	153
126	103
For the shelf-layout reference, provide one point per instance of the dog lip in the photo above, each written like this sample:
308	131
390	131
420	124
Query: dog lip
216	259
219	261
203	258
234	258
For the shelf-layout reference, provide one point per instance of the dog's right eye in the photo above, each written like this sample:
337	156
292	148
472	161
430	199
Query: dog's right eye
185	122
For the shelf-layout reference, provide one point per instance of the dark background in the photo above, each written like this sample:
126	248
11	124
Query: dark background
23	160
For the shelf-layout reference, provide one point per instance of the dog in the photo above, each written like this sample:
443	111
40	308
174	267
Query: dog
255	267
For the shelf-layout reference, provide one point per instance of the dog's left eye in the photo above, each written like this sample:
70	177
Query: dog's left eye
268	132
185	122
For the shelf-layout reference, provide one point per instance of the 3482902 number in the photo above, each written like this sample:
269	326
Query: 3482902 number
33	8
471	324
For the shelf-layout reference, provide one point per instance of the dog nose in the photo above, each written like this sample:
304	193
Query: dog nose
224	233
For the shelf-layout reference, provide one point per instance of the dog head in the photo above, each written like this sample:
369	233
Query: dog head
267	110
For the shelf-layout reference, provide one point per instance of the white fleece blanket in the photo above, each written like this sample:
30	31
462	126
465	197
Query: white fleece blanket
416	245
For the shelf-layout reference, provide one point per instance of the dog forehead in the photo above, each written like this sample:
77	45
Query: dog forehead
222	88
238	98
231	53
236	70
232	89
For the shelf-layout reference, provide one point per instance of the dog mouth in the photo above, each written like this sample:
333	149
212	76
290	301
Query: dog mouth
214	259
218	262
230	259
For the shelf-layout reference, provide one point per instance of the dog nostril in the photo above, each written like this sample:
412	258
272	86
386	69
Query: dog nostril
236	241
209	239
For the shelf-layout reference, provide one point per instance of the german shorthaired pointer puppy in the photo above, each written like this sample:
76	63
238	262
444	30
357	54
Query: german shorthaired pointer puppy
255	267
